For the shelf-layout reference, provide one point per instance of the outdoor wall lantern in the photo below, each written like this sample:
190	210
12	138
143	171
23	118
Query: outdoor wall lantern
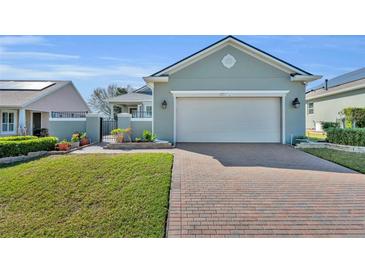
164	104
296	103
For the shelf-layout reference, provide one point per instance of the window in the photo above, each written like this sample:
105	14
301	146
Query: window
310	108
149	109
8	121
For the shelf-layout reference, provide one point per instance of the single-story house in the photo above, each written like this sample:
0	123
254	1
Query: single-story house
27	106
138	103
229	91
324	102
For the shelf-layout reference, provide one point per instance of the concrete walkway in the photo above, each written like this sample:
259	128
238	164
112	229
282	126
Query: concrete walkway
262	190
98	148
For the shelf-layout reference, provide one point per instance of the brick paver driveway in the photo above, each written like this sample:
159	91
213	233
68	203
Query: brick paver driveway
262	190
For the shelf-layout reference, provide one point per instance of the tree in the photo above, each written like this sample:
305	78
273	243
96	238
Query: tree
99	98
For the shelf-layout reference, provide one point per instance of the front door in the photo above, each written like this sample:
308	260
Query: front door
37	121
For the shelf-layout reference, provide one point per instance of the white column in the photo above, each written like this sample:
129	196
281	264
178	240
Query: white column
112	111
22	122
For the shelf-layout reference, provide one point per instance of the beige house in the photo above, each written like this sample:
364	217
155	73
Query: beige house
324	102
28	106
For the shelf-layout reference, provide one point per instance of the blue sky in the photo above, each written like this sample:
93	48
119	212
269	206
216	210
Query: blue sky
96	61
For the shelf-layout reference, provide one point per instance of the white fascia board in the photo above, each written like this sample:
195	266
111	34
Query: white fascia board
156	79
359	86
129	101
231	93
305	78
240	46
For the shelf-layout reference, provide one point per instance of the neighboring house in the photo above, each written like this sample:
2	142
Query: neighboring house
325	101
27	106
229	92
138	103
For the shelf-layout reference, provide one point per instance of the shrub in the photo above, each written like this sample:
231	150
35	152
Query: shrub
16	148
352	137
327	125
17	138
116	131
147	136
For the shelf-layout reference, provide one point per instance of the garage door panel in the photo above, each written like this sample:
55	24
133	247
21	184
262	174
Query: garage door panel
228	120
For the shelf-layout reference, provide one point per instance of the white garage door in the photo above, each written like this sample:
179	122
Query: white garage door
251	120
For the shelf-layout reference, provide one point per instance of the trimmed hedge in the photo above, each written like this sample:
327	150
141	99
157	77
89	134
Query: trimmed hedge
16	148
351	137
17	138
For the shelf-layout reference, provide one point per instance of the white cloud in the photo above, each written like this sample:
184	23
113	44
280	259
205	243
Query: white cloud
35	55
7	42
72	72
21	40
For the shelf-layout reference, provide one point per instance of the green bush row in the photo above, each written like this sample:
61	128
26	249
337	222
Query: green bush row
352	137
16	148
17	138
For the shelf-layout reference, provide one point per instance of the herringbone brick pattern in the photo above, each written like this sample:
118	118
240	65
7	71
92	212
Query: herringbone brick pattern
262	190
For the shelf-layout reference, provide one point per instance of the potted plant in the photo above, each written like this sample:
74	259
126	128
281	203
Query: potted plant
63	146
118	133
75	140
84	140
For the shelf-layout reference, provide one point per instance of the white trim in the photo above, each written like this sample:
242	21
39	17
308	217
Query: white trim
232	42
152	79
67	119
31	122
283	137
235	93
141	119
339	90
230	93
128	101
152	86
305	78
15	112
174	118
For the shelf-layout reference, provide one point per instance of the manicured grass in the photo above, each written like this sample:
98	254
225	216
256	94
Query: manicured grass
86	196
355	161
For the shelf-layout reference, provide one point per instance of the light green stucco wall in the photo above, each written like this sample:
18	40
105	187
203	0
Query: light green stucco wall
326	109
64	129
247	74
139	126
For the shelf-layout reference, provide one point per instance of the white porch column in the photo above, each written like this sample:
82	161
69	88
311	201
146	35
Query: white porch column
22	121
112	110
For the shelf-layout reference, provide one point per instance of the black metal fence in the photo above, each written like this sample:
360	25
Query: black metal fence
106	126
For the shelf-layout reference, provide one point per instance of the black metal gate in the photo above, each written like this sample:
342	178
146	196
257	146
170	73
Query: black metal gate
106	126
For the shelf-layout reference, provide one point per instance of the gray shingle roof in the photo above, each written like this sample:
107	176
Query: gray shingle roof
28	91
145	90
131	97
343	79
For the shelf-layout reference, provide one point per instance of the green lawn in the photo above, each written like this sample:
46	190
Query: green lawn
355	161
86	196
